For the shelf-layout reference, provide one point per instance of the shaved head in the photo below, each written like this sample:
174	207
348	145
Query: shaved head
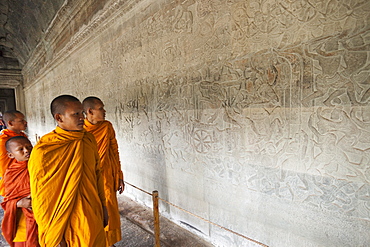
10	115
15	139
58	105
90	102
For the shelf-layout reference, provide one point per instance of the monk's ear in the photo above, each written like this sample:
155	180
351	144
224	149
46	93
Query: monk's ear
89	111
10	155
9	123
58	117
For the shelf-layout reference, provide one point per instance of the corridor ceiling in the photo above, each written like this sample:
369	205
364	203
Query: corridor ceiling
22	24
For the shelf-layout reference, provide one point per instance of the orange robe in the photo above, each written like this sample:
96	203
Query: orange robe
17	186
5	161
67	189
111	170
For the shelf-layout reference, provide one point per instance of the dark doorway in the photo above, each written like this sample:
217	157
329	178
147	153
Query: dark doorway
7	100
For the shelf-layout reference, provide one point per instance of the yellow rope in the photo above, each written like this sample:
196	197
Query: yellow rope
210	222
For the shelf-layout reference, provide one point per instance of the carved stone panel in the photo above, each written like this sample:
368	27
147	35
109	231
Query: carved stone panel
263	106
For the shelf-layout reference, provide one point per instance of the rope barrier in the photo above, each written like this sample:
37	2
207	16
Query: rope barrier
139	188
199	217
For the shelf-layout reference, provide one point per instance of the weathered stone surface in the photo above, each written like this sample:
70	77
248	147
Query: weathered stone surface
22	25
252	114
11	81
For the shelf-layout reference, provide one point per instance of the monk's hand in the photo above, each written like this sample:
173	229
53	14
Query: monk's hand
63	243
121	186
105	216
25	203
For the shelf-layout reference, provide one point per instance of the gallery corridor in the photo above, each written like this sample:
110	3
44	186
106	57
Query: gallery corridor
251	114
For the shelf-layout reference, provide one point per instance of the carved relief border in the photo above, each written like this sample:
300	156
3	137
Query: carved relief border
43	58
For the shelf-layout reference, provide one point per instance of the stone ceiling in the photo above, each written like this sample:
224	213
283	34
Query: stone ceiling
22	24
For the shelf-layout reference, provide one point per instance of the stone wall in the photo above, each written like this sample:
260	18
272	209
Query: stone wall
252	114
11	85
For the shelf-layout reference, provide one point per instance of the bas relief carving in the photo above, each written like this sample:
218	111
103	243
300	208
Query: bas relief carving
273	96
255	117
290	121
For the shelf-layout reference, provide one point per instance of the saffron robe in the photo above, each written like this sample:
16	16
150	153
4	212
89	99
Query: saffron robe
67	189
17	186
111	169
5	161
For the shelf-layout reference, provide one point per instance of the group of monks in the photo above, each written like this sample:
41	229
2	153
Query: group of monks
62	192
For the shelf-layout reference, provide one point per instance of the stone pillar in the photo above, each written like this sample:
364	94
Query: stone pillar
12	79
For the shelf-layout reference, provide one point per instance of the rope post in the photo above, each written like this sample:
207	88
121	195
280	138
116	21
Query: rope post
156	219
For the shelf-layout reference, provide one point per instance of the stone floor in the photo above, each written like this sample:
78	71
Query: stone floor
137	229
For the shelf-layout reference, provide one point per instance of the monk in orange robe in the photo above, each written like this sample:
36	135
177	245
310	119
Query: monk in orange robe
15	125
18	226
67	188
105	136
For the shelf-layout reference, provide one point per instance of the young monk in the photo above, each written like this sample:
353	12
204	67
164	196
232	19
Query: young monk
18	226
104	133
66	183
15	125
